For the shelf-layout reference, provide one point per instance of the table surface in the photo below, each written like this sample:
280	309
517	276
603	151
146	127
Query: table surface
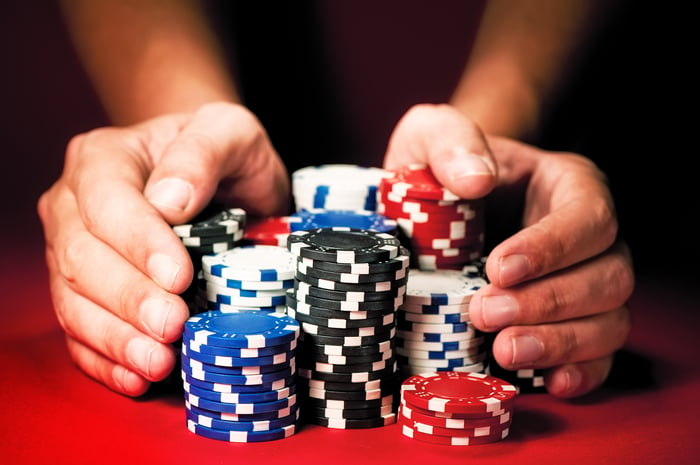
52	413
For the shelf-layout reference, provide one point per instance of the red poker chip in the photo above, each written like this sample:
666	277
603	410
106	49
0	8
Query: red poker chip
456	416
269	231
446	243
469	432
416	181
409	205
458	392
416	415
450	230
450	440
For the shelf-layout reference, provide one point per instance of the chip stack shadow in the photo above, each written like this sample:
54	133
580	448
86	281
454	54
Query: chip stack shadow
348	285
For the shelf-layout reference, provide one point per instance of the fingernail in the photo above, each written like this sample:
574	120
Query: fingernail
526	350
171	193
139	352
513	268
498	311
154	315
163	270
468	164
573	379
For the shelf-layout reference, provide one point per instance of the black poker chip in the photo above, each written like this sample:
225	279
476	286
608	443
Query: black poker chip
349	305
324	394
381	286
378	299
388	266
363	413
344	245
330	313
350	278
350	341
319	367
326	349
352	423
341	323
213	223
355	377
390	382
348	404
310	328
306	357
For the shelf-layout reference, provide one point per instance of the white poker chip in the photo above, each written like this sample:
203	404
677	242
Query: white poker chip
441	287
252	263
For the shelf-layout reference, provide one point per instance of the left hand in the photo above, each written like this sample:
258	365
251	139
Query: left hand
559	285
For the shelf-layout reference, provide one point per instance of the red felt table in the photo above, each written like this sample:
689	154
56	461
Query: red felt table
52	413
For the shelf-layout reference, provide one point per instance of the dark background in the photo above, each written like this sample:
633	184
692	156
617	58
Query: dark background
633	108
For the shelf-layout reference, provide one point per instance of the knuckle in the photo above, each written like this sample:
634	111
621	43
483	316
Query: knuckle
73	256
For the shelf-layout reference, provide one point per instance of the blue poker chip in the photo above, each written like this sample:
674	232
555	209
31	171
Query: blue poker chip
241	330
241	436
241	398
204	349
196	366
357	219
252	263
260	378
226	361
240	408
240	388
273	415
249	425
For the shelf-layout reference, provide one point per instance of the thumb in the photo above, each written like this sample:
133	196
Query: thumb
222	151
451	144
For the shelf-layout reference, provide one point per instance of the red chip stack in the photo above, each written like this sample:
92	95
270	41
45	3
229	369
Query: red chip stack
441	230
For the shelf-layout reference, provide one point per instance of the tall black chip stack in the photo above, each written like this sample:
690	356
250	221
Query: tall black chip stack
348	286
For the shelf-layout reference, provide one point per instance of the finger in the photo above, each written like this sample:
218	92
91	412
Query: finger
97	272
114	376
107	169
577	379
569	217
453	146
223	146
109	336
548	345
591	287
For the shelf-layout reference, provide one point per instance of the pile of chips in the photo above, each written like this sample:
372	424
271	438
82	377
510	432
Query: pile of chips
336	187
441	230
212	231
456	408
434	332
239	375
253	277
349	283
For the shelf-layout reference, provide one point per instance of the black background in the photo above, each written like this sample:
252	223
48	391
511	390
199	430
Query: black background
633	109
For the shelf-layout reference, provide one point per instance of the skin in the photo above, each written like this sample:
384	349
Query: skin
558	286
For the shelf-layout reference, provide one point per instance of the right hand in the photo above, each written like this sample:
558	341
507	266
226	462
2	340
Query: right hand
115	265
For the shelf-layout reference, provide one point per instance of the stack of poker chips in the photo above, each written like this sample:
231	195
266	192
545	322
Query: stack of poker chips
245	278
271	230
456	408
336	187
239	375
434	332
212	231
441	230
349	283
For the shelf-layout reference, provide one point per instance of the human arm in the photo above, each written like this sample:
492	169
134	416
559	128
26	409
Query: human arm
115	266
523	53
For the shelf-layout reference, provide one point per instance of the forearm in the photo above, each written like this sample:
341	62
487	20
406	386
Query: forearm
148	57
521	56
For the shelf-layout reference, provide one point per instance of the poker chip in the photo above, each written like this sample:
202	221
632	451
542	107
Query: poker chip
328	349
241	436
454	423
336	187
222	223
417	181
465	432
241	330
349	278
452	440
350	423
370	300
441	287
344	245
270	230
401	261
237	397
262	378
227	362
317	218
226	352
458	392
196	365
264	416
349	414
252	263
239	388
241	408
250	425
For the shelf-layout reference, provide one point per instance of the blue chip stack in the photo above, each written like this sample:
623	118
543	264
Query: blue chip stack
239	375
336	187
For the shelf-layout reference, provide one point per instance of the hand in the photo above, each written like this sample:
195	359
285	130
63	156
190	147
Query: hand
559	285
115	265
